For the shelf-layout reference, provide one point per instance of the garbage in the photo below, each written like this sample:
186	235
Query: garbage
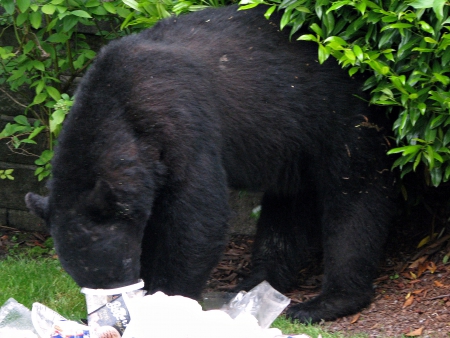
163	316
128	313
109	309
15	321
44	318
263	302
70	329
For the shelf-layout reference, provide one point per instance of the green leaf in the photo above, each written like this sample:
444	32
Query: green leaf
445	80
16	74
81	14
53	92
133	4
285	19
426	27
430	134
69	22
9	6
58	38
92	3
21	18
28	46
399	25
99	11
358	53
438	8
23	5
28	141
436	176
350	55
336	40
422	3
45	157
57	119
352	71
324	53
417	161
22	120
422	107
446	139
40	98
316	29
36	20
446	57
430	40
437	121
338	4
36	132
307	37
110	8
38	65
48	9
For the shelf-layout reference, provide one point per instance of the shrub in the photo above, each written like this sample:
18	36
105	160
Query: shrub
403	46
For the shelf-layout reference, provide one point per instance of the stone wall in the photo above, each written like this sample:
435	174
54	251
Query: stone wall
13	212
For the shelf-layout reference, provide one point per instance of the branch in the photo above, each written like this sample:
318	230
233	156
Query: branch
13	99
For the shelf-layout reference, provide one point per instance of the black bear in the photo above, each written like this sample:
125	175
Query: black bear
166	120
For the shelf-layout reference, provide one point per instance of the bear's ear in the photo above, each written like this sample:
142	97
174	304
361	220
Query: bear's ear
101	201
37	204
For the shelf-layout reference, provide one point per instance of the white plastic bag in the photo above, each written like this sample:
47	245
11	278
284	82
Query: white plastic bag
262	302
15	321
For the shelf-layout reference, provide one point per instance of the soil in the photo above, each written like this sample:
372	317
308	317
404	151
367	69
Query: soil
412	290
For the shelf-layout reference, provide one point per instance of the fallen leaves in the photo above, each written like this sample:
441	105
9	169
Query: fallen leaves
415	333
409	300
439	284
355	318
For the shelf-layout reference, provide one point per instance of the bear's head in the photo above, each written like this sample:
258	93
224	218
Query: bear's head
97	236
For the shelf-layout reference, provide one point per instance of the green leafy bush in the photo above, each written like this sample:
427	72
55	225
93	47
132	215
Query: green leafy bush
41	66
403	45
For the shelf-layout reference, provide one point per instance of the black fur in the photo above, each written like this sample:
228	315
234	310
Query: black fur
166	120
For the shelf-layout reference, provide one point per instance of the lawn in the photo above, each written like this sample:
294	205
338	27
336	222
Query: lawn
29	280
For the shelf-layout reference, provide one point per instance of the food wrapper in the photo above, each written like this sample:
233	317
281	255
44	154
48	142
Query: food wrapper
109	309
67	328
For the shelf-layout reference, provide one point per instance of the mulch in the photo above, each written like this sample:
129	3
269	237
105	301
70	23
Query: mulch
412	290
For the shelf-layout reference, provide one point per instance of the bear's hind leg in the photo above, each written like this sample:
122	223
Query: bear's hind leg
285	233
354	229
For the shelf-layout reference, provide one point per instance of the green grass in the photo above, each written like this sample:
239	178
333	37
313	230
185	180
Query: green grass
28	280
314	331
